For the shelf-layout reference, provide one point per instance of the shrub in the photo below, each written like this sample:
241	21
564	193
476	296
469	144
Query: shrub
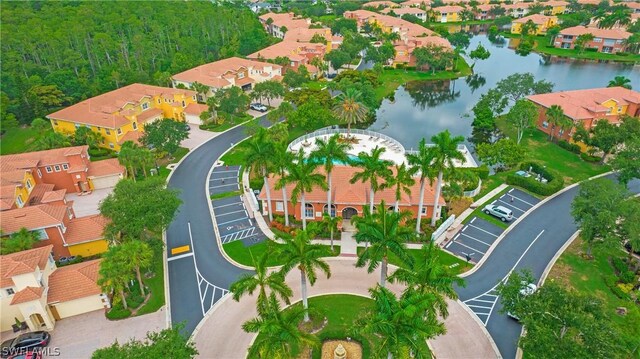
627	277
482	171
618	265
118	312
572	147
554	184
591	49
410	68
621	53
612	285
589	158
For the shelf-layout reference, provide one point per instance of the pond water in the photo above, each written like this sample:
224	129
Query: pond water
424	108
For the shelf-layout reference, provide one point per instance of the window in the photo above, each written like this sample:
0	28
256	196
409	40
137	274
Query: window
42	234
597	39
10	291
145	106
166	100
106	130
424	210
308	211
240	75
20	201
619	109
55	123
78	125
65	166
111	145
119	131
545	124
39	173
135	125
29	185
279	207
57	168
159	101
194	98
184	104
48	169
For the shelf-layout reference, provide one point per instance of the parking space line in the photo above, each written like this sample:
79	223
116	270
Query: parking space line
230	171
224	185
482	300
473	249
521	200
487	232
179	257
230	204
512	206
235	220
477	306
224	214
221	178
477	240
473	220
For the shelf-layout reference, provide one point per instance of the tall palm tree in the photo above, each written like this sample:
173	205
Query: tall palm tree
429	276
298	252
421	162
554	114
262	281
401	182
620	81
282	160
445	152
126	157
259	153
373	170
302	174
405	323
114	273
329	152
332	224
350	109
385	231
278	330
137	254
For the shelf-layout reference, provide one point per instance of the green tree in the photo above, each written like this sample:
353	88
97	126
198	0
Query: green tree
606	137
582	40
626	162
262	280
519	85
128	156
137	255
298	252
337	58
480	53
19	241
41	125
401	181
341	26
620	81
328	153
528	28
85	136
303	175
405	323
434	56
44	98
385	232
552	32
232	100
51	140
331	223
281	161
167	343
421	162
7	119
596	210
269	90
164	135
259	152
293	78
505	153
278	330
282	112
349	109
522	116
445	152
114	272
373	169
201	89
429	276
310	115
630	227
557	119
137	208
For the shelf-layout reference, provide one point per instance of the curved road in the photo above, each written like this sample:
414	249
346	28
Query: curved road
531	244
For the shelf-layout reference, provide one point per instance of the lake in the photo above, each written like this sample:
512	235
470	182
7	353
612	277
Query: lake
422	109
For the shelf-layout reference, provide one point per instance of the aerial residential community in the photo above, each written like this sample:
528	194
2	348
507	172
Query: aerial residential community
320	179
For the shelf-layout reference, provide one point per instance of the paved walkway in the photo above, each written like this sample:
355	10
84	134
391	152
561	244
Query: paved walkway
87	204
220	334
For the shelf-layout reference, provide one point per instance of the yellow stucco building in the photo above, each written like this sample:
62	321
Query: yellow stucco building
120	115
555	7
542	23
448	13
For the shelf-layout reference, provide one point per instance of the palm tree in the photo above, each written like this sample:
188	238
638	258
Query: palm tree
114	273
402	182
332	224
373	169
262	280
445	152
349	109
278	330
19	241
126	157
429	276
282	160
329	152
554	114
298	252
259	153
421	162
137	255
282	112
302	174
385	231
620	81
201	90
405	324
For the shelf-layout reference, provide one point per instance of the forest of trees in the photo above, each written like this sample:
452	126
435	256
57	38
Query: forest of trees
58	53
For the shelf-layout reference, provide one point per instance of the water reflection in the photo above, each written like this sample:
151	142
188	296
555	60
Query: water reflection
422	109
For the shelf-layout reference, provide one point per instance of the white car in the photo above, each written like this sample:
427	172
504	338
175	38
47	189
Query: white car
503	213
528	289
258	107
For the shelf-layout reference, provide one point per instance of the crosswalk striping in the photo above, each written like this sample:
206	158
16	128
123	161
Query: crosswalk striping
235	236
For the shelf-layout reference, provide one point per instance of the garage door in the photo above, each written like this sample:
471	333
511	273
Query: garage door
105	182
193	119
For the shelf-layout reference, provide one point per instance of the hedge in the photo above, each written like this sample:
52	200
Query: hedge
482	171
588	158
569	146
554	184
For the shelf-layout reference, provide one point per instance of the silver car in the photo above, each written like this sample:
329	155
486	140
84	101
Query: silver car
503	213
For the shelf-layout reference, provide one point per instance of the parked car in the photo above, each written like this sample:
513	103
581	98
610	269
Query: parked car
527	289
503	213
627	246
32	354
24	343
258	107
187	127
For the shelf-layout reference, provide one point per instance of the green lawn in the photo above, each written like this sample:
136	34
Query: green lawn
235	157
478	212
243	255
341	311
445	258
156	286
316	85
18	140
566	163
590	277
225	194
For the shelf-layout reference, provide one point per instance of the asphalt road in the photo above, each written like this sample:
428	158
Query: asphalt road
194	290
531	244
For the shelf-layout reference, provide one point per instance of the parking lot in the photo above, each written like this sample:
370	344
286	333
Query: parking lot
232	217
477	236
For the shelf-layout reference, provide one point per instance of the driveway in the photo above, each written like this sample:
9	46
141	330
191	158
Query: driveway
87	205
530	244
197	137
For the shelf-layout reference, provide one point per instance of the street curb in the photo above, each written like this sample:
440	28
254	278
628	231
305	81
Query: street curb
482	328
521	218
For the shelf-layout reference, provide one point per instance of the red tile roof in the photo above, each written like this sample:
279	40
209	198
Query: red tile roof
27	294
32	217
376	4
85	229
149	114
21	263
586	104
108	167
53	196
195	109
286	19
12	167
213	74
131	136
615	34
448	9
535	18
74	282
